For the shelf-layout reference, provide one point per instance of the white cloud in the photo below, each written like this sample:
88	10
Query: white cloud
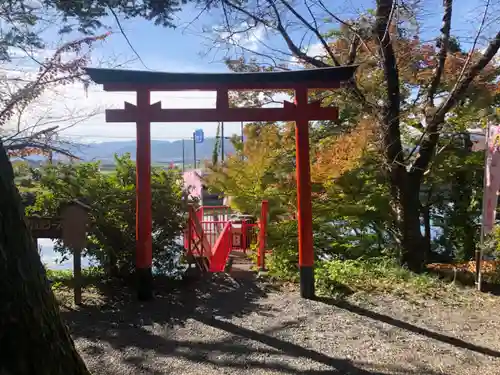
315	50
37	53
70	104
252	39
59	104
243	36
64	101
74	99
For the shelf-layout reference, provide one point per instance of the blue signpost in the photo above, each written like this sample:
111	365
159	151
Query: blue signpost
198	137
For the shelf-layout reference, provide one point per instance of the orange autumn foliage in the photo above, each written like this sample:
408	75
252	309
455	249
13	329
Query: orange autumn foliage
416	61
487	266
342	153
27	151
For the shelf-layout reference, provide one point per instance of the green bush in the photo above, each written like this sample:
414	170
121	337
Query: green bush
283	261
340	277
329	243
491	244
66	275
26	182
111	196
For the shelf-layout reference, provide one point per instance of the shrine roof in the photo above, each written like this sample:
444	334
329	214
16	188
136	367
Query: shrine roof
319	78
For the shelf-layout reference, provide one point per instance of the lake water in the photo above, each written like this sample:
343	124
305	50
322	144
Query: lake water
52	259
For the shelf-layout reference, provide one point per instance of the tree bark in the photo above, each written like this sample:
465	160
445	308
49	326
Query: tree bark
464	233
469	224
413	251
404	192
33	337
426	213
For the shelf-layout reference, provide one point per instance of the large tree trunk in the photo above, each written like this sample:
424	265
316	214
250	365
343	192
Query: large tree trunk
33	338
413	252
462	198
426	215
404	188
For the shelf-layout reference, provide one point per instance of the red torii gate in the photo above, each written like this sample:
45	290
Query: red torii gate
144	113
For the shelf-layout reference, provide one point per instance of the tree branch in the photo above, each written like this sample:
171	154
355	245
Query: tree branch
464	83
434	122
353	50
39	146
349	26
443	51
281	29
391	111
310	27
54	71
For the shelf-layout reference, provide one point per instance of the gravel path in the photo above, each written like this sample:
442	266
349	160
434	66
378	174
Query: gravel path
223	326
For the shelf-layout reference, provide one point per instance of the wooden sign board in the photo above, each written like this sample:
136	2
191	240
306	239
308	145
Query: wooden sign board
74	226
74	235
45	227
71	227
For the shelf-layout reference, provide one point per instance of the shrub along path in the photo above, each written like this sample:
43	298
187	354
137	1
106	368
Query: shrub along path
228	326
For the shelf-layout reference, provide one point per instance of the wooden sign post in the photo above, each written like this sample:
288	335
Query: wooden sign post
71	225
74	217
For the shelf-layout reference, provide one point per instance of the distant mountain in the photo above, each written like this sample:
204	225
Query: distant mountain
161	151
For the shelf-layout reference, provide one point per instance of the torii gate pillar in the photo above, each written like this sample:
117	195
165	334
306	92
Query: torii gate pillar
304	205
144	217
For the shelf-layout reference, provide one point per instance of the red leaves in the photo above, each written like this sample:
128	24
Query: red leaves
28	151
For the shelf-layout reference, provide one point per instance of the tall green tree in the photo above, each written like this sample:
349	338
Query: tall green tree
215	152
402	82
261	168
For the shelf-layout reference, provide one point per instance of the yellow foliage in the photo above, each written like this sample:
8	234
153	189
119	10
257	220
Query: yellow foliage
339	154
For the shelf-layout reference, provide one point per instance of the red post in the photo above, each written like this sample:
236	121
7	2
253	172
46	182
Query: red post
261	258
306	252
144	256
244	236
190	230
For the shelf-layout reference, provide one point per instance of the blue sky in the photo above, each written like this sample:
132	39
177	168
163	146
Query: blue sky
182	50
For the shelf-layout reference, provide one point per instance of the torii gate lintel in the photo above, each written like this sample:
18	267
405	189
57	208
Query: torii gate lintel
155	113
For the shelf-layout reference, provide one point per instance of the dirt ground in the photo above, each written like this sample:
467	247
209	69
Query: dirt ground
228	326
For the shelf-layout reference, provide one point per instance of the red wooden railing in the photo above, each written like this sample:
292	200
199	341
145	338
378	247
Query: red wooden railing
221	250
197	244
211	234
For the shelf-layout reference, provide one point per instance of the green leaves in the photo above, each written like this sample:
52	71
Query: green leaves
261	169
111	196
352	214
215	152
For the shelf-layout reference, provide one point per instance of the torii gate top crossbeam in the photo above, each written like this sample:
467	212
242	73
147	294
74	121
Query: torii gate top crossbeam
132	80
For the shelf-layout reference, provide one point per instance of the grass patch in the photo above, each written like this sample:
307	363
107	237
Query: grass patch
338	279
30	189
61	278
62	285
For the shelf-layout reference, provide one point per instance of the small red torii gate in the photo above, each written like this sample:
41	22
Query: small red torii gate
144	113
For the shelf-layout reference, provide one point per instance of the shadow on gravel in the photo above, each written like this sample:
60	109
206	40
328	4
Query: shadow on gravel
173	303
409	327
123	323
337	365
